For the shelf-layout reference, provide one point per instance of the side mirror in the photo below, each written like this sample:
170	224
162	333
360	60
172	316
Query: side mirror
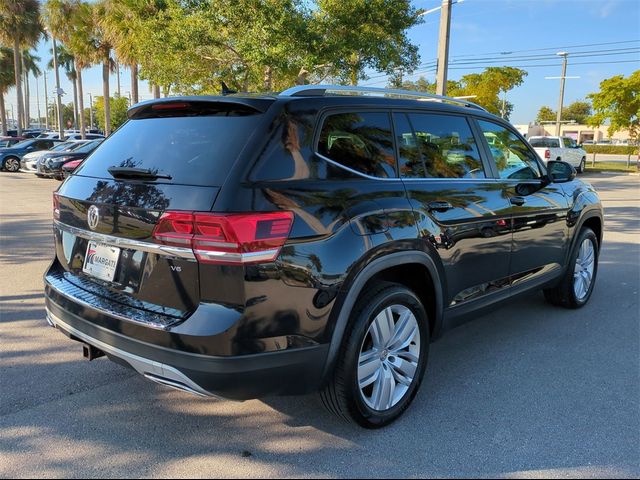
560	172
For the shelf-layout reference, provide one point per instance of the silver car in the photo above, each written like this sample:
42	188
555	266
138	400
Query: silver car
29	162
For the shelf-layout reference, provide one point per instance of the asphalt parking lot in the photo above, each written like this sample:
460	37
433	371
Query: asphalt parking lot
528	391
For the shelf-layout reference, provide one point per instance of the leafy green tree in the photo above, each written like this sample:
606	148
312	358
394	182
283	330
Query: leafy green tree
29	65
7	80
546	114
66	61
619	102
358	34
118	108
579	111
20	27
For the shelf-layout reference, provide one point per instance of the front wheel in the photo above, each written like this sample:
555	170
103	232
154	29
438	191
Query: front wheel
576	287
11	164
382	359
582	165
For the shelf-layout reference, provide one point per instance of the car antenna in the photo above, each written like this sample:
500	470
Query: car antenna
226	90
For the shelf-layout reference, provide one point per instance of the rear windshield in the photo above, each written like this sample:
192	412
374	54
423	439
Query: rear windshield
193	150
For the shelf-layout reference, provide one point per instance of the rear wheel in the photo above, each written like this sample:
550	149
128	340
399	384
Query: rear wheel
576	286
12	164
382	359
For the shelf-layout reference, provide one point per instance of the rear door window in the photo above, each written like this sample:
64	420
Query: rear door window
192	150
360	141
443	146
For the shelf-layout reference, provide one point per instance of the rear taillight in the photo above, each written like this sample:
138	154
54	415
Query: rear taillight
56	207
547	154
237	238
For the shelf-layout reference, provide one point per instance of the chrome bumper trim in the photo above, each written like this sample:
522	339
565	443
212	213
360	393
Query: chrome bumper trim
178	252
155	371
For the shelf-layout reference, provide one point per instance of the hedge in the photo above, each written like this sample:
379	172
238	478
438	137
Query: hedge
611	149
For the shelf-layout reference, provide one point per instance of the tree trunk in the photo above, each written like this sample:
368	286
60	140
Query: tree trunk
106	97
167	90
156	91
302	76
26	111
75	100
18	76
134	83
354	77
3	115
80	102
268	79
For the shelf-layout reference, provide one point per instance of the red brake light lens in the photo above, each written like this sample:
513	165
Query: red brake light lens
226	238
547	153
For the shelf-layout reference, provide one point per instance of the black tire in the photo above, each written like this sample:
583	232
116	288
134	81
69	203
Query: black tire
11	164
564	294
582	165
342	395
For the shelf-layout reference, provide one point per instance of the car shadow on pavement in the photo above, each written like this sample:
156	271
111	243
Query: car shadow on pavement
528	388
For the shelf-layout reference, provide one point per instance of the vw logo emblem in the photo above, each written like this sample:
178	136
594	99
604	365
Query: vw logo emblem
93	217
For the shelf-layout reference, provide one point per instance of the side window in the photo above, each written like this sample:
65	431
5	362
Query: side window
569	142
361	141
511	155
553	143
446	146
410	160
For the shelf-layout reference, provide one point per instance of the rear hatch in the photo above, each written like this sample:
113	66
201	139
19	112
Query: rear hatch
172	155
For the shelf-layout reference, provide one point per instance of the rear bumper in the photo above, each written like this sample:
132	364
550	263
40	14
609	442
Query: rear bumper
240	377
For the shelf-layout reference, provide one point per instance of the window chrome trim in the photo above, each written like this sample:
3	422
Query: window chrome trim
166	250
403	179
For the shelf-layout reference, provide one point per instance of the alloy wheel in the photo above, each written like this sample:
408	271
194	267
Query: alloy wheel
12	164
583	271
389	357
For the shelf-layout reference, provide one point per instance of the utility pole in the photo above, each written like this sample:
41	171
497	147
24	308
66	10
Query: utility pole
46	103
38	100
91	111
443	48
118	72
564	56
58	90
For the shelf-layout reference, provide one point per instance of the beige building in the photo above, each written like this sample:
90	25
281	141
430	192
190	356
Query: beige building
580	133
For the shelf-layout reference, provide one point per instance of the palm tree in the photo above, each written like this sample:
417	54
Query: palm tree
7	80
29	65
119	26
103	54
66	61
19	26
72	22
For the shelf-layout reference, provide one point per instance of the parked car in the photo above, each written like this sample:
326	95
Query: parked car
10	157
316	239
49	134
29	162
88	136
69	167
50	164
560	149
9	141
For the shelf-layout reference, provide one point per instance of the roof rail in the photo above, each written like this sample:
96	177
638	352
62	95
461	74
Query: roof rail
322	90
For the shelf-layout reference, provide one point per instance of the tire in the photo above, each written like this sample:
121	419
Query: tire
582	165
571	291
11	164
343	395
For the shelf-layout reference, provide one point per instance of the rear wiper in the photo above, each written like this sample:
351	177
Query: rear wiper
131	172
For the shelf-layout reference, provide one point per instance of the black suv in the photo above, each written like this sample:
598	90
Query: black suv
319	239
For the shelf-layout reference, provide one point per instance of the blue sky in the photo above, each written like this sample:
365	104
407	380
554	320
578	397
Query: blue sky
481	27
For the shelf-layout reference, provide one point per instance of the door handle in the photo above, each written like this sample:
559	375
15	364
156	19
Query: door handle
518	201
439	206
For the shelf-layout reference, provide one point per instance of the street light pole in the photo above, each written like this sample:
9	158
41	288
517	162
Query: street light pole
58	89
443	48
90	111
564	56
46	103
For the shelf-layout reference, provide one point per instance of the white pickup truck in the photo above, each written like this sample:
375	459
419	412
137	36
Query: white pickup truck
560	148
